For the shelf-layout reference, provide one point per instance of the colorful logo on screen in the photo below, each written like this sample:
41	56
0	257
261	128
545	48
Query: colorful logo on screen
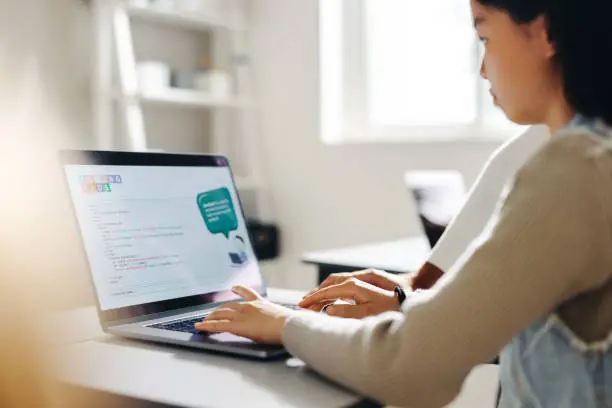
99	184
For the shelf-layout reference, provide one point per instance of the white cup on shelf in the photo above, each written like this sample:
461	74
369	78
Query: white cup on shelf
220	83
153	76
201	81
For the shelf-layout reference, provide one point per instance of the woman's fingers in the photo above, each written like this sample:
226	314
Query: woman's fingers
316	307
371	276
247	294
258	320
215	326
238	306
222	314
331	280
347	290
378	278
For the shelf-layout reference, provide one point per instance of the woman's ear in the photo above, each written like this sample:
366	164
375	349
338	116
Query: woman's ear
539	31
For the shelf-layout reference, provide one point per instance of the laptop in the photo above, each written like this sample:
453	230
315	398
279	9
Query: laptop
165	238
438	195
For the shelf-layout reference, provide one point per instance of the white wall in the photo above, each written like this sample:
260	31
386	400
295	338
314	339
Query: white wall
328	196
55	33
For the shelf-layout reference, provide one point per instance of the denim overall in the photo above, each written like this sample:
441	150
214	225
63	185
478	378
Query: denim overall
548	366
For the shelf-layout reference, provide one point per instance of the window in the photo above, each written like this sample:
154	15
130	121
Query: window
403	69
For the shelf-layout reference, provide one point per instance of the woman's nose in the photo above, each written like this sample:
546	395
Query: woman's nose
483	71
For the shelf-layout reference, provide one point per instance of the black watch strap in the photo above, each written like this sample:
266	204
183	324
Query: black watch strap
401	295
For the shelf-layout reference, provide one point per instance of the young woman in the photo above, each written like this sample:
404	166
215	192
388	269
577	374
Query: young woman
539	284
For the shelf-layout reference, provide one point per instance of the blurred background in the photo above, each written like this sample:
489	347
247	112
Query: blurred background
321	106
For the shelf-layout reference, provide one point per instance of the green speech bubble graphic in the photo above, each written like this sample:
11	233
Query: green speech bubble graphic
218	211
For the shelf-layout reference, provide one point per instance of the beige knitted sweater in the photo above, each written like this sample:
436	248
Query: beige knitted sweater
550	250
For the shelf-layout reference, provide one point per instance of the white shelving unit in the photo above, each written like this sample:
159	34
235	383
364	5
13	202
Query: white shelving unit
182	98
182	18
116	88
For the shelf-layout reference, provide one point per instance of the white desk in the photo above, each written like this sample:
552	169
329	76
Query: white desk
88	358
182	377
402	256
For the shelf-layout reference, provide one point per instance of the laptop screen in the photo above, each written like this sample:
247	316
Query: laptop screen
155	234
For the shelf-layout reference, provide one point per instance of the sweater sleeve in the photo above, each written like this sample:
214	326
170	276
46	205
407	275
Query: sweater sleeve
522	271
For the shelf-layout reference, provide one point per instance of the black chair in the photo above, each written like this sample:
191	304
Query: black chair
438	196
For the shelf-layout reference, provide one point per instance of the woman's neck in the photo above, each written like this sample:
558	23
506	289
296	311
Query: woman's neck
559	115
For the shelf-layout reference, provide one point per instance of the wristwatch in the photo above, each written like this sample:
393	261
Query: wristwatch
400	294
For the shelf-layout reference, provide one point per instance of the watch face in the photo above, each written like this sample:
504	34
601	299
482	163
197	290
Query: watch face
400	294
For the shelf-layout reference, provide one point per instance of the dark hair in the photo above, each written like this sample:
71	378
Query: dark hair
581	31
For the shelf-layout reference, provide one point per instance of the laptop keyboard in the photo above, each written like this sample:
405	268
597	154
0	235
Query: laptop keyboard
187	326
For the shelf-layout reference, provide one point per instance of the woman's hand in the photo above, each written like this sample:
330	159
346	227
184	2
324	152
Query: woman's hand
369	299
256	319
382	279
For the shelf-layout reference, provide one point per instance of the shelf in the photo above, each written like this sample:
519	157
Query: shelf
189	99
185	19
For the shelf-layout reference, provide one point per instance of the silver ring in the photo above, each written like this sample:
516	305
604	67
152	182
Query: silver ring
324	309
